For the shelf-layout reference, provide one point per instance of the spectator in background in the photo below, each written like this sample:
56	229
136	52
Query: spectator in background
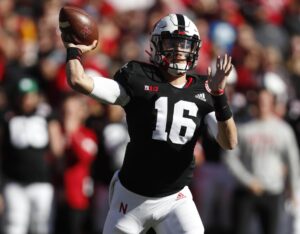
212	188
30	131
291	18
266	154
80	151
276	85
115	138
266	18
293	107
247	58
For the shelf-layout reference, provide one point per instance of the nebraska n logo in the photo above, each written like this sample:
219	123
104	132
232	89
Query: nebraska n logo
123	208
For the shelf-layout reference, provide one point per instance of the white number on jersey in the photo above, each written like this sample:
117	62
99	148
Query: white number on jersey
28	131
178	121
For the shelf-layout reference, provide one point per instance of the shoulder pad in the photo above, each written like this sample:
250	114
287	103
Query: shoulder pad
135	72
198	79
141	70
197	76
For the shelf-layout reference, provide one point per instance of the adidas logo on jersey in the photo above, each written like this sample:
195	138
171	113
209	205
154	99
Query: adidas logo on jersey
201	96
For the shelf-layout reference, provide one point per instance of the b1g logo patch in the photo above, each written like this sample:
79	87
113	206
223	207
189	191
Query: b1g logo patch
151	88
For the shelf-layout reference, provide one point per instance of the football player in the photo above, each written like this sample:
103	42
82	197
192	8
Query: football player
166	108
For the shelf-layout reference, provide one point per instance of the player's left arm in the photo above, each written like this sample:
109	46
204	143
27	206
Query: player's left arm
226	134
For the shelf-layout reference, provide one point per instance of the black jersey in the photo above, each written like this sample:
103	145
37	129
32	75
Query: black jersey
164	123
25	147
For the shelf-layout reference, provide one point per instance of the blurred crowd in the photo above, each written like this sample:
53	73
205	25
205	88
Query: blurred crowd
81	142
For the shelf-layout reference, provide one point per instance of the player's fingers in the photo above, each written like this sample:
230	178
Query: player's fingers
218	63
209	72
224	62
229	70
228	65
95	43
68	44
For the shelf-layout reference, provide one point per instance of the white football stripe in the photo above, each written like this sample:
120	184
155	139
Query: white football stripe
64	24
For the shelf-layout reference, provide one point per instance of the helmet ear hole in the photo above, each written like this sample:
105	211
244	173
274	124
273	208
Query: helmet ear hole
183	40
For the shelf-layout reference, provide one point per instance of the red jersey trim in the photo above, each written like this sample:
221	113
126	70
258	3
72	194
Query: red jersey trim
189	82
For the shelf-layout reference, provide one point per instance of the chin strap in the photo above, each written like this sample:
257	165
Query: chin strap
172	68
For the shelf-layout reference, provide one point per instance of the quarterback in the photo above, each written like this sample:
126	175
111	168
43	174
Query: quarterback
166	108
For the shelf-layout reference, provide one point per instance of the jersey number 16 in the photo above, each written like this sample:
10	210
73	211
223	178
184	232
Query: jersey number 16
178	121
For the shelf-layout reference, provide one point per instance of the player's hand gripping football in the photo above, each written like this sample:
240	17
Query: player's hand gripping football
83	48
217	82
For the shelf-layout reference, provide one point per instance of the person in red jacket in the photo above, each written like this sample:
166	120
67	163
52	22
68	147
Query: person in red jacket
81	148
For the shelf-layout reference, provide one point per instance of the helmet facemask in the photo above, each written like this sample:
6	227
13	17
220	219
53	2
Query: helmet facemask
175	51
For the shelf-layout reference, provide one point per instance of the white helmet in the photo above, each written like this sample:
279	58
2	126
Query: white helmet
172	35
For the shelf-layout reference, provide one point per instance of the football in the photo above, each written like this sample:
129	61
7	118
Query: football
77	26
